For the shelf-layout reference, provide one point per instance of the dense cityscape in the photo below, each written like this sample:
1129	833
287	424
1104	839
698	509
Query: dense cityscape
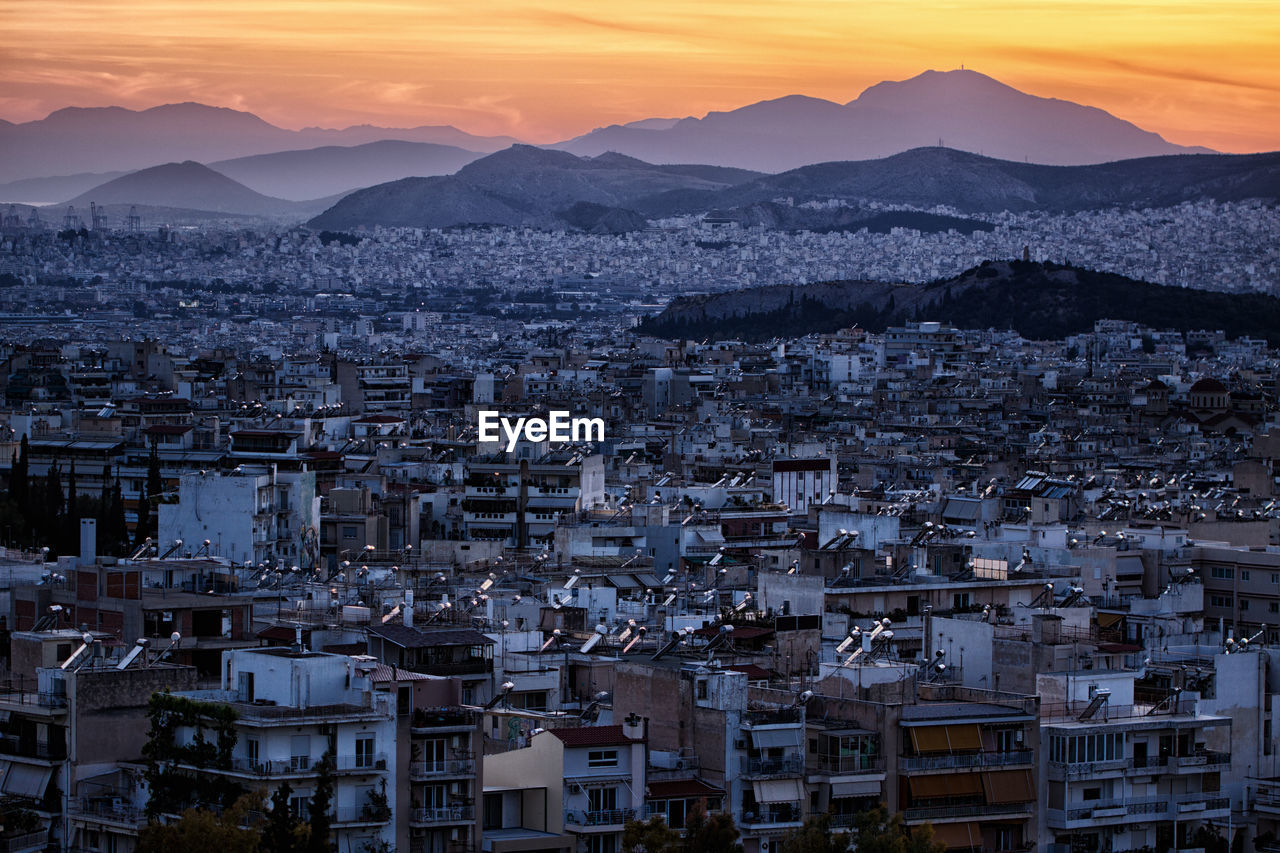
897	472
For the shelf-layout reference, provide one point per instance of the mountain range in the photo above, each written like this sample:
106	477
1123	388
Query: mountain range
524	185
104	139
962	110
531	186
194	187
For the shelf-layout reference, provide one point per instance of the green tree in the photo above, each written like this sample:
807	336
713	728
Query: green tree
876	831
19	475
651	836
816	837
283	832
705	833
49	523
71	520
318	809
200	831
150	495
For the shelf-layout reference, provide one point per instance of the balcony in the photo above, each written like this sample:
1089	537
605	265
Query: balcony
28	842
366	814
783	814
453	767
598	817
307	766
1012	758
967	810
1084	814
788	765
443	720
441	815
106	809
1201	762
848	765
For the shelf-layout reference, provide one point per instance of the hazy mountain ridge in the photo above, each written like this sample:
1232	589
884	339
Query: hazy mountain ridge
100	139
529	186
1041	301
522	185
189	186
333	169
963	110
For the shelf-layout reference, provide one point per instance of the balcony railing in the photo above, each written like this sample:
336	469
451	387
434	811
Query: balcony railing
965	810
452	767
788	765
300	764
1012	758
1095	810
27	841
443	814
848	765
786	813
101	808
598	817
366	813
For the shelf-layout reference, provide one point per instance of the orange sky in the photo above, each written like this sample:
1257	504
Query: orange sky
1196	72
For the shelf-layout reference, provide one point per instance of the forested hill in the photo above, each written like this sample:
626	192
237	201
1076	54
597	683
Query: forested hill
1042	301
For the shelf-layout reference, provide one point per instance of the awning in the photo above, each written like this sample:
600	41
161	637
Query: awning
778	791
1008	786
790	737
860	788
945	785
1107	620
24	780
958	836
961	737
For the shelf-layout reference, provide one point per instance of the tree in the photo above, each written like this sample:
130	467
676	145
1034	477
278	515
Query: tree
318	809
19	475
71	519
283	832
705	833
52	506
652	836
149	497
816	837
200	831
875	831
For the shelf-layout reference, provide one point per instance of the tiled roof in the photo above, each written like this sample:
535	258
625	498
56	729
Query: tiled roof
593	736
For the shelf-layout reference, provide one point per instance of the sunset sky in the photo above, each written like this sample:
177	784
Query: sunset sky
1196	72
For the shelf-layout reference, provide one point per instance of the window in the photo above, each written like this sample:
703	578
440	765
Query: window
300	752
350	532
602	758
1275	577
1244	574
1222	572
602	799
702	688
1244	604
300	806
1081	749
1220	601
364	750
251	751
1273	606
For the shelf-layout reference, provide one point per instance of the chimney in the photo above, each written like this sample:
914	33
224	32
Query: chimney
88	541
